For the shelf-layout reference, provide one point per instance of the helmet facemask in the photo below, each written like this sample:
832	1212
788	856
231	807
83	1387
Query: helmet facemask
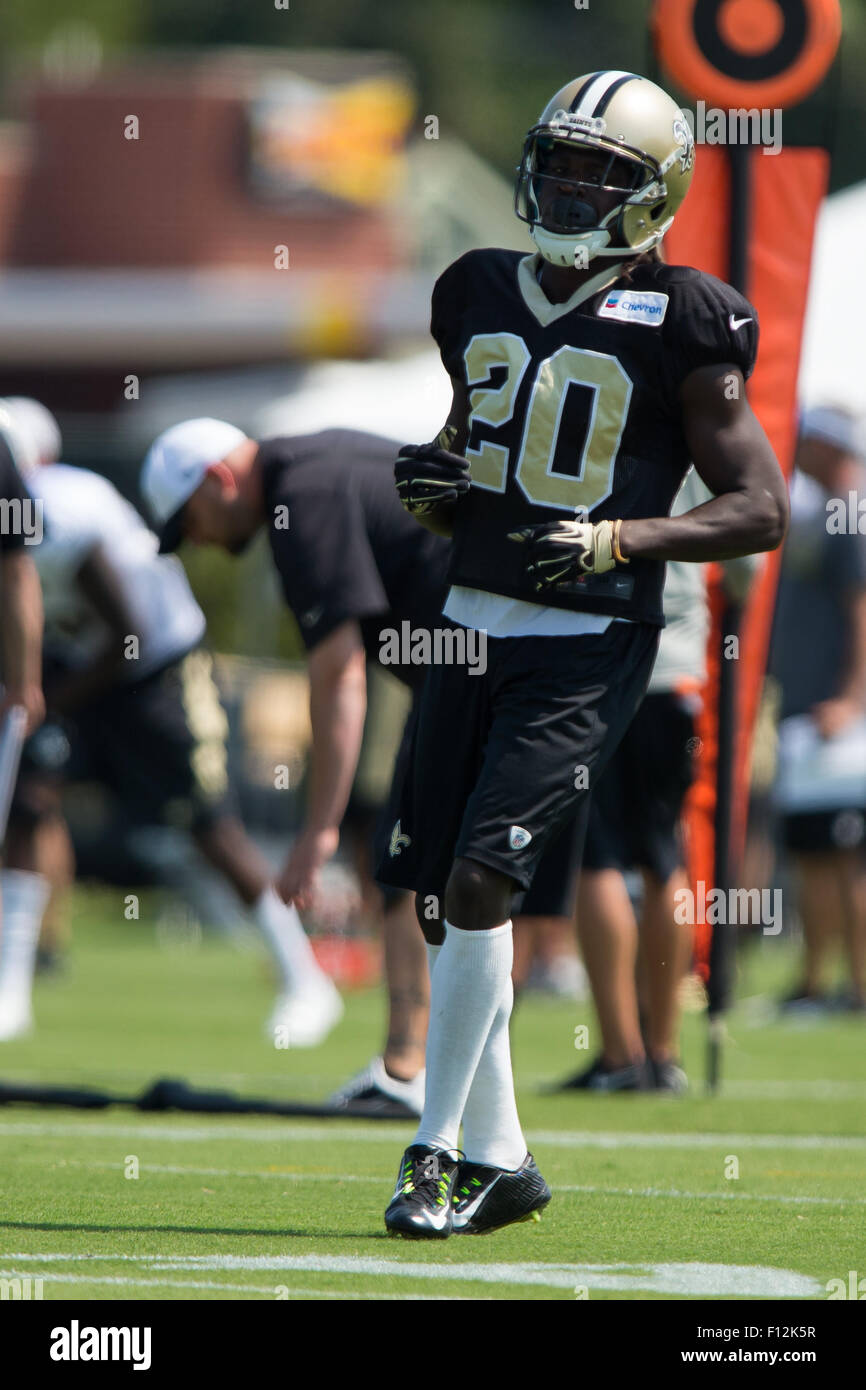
563	210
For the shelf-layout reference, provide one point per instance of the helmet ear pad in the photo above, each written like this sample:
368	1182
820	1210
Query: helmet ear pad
636	226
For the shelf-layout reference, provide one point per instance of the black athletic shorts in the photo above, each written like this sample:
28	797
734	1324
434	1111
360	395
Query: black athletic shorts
500	763
158	745
553	892
818	832
634	816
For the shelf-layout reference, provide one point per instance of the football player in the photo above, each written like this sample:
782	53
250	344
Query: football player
587	376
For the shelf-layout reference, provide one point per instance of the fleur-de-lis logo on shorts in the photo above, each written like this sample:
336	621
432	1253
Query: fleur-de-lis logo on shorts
398	841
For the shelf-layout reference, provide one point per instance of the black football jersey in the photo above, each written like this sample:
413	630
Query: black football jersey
343	545
575	410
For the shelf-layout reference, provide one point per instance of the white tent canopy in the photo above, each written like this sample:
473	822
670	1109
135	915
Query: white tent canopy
407	399
833	363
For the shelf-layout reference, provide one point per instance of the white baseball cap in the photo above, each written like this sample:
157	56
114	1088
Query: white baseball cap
174	467
832	424
40	430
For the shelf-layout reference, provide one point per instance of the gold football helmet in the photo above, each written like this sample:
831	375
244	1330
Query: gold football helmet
649	158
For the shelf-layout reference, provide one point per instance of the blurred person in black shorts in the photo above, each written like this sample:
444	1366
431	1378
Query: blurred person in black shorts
132	700
634	823
818	659
23	890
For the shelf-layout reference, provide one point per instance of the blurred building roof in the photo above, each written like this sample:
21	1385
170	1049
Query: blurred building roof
142	212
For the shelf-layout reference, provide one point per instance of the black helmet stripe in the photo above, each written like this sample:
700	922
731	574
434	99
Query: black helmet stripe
582	91
602	106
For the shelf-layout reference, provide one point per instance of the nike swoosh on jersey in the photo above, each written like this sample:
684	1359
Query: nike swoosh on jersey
737	323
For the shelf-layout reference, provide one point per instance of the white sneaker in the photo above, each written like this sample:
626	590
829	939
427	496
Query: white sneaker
16	1019
304	1018
374	1084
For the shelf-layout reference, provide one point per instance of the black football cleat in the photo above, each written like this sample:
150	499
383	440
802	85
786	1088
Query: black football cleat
599	1077
669	1076
421	1205
487	1198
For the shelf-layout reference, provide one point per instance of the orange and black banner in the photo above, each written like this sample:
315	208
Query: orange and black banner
751	69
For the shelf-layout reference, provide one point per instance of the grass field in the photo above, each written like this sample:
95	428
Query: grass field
259	1208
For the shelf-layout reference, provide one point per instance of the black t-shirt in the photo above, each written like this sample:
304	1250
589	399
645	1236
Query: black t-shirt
11	490
823	571
576	408
342	543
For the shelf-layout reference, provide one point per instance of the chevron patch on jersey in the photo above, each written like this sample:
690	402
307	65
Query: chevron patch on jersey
635	306
518	838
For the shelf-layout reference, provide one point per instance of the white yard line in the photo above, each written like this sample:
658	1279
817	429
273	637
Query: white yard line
675	1195
710	1280
335	1132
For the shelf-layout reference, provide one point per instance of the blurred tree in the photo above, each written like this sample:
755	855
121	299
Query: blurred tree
484	67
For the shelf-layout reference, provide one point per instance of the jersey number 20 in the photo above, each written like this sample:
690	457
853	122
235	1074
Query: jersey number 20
494	405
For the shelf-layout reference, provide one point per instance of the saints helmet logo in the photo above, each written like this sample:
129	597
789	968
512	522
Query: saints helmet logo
398	841
685	140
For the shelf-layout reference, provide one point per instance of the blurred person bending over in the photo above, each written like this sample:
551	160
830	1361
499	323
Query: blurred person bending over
352	565
131	696
23	891
635	968
819	660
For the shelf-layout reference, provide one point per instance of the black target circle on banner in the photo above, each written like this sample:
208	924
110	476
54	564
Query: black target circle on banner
752	52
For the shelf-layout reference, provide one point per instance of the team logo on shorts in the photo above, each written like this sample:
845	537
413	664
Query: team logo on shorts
397	841
518	838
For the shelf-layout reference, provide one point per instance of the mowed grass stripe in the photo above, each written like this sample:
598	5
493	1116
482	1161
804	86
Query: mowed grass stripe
279	1175
265	1290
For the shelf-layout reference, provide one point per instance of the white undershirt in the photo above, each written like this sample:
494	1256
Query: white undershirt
511	617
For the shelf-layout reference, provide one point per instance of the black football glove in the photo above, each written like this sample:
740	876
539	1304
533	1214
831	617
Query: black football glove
429	474
560	552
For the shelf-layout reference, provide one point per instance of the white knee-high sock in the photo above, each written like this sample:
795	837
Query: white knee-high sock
491	1127
467	984
23	896
290	946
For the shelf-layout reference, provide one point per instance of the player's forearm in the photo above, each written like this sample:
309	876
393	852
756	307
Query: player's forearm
733	524
22	623
337	713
